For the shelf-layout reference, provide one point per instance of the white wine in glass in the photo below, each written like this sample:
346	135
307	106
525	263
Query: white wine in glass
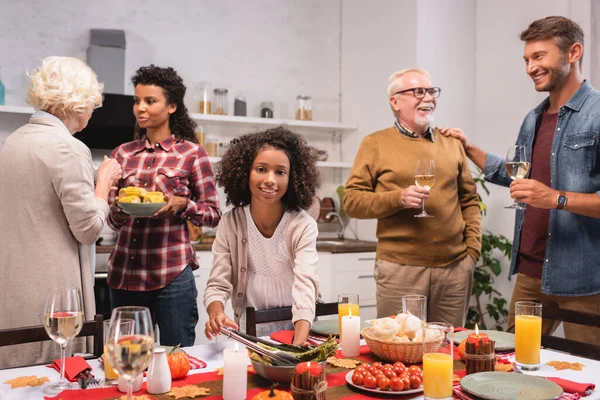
517	167
424	178
63	320
129	349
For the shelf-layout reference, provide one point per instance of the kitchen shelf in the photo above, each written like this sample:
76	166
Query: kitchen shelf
256	123
16	109
323	164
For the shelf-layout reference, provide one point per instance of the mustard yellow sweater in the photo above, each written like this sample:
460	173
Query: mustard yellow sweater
384	167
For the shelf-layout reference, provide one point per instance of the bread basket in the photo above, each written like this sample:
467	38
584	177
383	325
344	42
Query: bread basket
407	352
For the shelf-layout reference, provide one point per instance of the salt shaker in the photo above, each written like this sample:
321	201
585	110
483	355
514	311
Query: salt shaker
158	380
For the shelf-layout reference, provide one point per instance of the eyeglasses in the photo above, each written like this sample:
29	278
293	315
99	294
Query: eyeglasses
419	92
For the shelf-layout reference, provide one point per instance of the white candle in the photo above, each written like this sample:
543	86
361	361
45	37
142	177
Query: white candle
351	336
235	373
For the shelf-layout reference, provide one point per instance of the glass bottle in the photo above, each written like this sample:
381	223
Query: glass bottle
239	106
304	107
203	94
266	109
1	91
220	101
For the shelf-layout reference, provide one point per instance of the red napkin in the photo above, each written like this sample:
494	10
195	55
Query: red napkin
284	337
583	389
73	367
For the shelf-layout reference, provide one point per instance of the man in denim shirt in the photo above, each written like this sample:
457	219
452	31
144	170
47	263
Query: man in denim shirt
557	237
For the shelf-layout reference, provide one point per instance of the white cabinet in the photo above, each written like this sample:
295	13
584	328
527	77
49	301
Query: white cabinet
349	273
205	259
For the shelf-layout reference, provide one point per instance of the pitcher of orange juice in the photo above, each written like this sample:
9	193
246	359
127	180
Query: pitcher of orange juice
347	303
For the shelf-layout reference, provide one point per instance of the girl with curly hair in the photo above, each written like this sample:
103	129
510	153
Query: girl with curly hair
152	262
265	253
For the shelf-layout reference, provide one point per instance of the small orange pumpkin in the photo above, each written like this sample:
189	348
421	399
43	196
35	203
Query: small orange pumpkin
179	363
273	394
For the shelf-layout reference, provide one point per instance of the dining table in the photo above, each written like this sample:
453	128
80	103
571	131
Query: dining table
210	376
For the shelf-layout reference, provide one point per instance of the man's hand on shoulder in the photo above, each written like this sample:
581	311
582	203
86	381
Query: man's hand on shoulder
413	196
456	133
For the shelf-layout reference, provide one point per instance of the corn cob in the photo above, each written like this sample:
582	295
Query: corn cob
130	199
132	191
153	198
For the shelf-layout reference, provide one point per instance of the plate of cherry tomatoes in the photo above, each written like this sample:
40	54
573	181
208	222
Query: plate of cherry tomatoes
381	378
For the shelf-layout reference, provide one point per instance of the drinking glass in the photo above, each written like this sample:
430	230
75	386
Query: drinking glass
528	334
424	178
129	348
416	305
517	166
110	374
438	346
63	320
347	303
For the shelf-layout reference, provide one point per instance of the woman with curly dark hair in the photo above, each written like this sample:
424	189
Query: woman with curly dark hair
265	253
151	264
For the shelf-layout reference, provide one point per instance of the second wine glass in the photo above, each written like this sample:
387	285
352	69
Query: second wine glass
517	166
130	350
63	320
424	178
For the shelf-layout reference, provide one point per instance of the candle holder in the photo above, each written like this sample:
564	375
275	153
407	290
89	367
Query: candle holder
480	357
308	386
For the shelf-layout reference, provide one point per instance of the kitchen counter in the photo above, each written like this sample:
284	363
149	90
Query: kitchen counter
328	246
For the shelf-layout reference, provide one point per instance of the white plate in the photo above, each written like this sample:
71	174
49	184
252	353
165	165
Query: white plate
379	391
140	210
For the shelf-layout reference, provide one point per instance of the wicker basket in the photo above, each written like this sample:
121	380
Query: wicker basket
410	353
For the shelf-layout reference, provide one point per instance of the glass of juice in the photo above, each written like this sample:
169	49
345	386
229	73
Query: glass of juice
110	374
528	334
438	346
347	303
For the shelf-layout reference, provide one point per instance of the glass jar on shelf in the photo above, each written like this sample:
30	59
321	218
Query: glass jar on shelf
211	146
220	101
203	97
201	135
304	107
266	109
239	106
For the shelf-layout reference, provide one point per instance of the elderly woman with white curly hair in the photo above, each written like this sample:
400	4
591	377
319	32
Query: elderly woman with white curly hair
51	213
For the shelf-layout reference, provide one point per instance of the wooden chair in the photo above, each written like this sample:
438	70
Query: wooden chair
571	346
254	317
32	334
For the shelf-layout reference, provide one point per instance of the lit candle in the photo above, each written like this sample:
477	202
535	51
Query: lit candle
314	368
475	337
351	336
235	373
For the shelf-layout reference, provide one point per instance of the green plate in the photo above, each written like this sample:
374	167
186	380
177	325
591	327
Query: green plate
505	341
510	386
331	327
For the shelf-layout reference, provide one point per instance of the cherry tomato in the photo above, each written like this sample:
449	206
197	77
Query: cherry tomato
419	375
412	369
399	364
360	370
415	382
387	367
396	384
389	373
399	370
357	378
380	375
370	382
406	381
383	383
376	365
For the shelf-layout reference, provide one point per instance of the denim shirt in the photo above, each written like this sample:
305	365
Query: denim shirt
572	260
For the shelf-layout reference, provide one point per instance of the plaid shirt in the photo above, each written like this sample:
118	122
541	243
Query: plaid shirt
151	252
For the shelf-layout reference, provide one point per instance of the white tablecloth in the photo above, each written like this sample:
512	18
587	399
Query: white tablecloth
212	354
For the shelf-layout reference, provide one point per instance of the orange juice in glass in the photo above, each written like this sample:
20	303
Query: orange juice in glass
347	303
110	374
438	363
528	334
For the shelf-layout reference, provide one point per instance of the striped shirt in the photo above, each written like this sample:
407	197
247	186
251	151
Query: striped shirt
151	252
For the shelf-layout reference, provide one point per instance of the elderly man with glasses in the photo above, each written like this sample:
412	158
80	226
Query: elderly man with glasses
434	256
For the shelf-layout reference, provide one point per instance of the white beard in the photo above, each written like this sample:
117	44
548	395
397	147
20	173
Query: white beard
424	122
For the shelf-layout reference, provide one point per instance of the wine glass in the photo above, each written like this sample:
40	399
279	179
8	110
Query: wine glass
129	349
424	178
63	320
517	166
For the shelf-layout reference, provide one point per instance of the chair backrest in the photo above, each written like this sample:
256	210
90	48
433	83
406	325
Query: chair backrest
254	317
571	346
32	334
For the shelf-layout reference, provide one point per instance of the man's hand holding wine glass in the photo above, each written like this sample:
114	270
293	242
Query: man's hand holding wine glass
534	193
